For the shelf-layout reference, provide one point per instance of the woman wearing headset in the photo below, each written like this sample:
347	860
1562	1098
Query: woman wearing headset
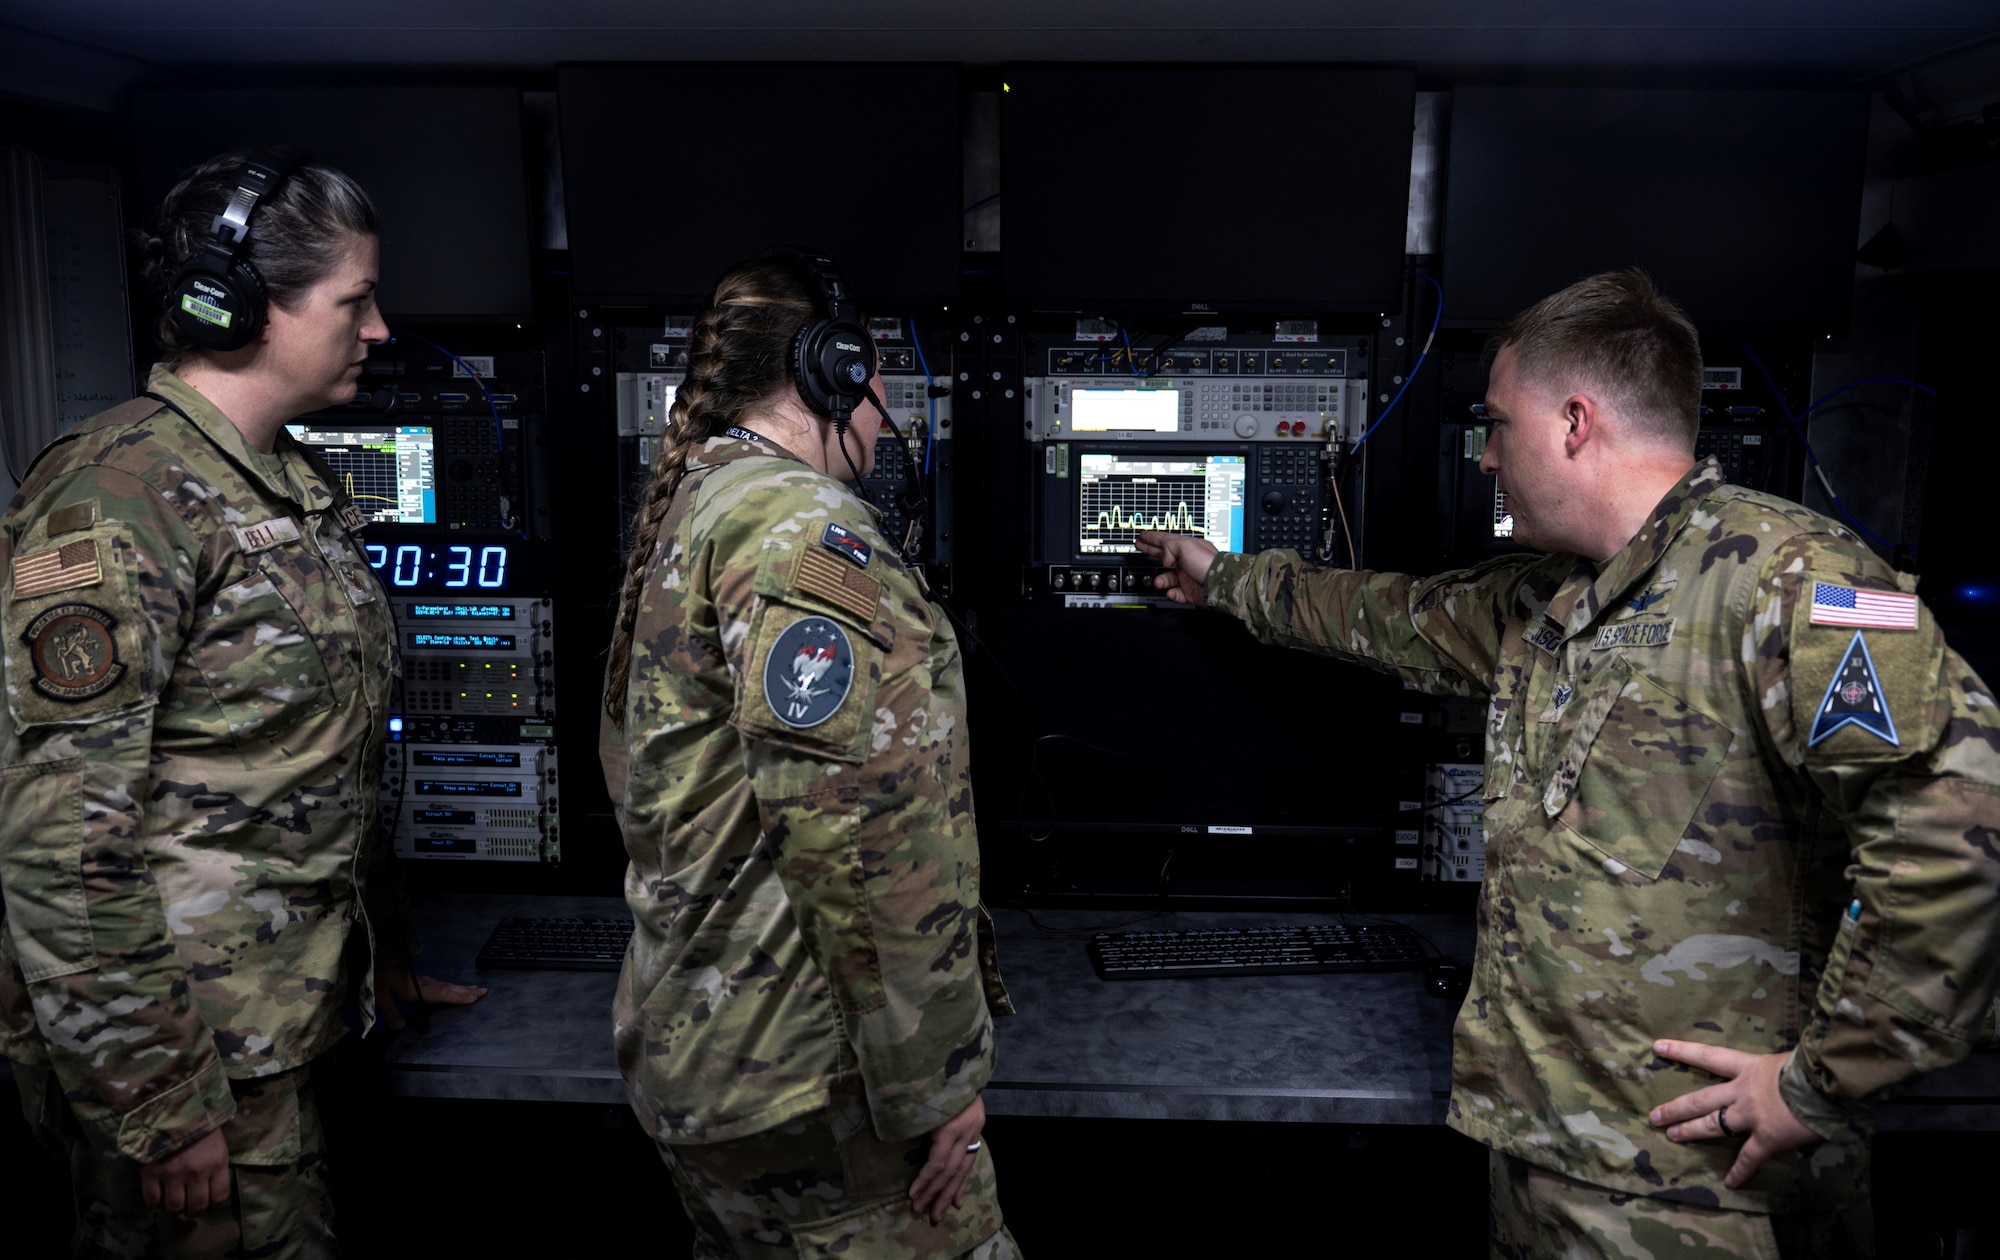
197	667
802	1021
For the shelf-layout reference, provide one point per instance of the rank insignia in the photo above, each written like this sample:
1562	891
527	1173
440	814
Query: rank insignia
844	542
1854	698
74	652
809	672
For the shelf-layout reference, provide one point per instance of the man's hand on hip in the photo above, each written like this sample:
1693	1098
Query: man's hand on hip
1186	559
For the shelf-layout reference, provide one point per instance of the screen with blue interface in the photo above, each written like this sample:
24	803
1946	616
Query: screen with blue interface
389	470
1193	493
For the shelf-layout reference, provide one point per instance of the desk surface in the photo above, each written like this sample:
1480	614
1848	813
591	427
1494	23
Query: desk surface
1352	1049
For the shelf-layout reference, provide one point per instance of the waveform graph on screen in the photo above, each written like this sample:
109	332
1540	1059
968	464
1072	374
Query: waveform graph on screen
1118	498
368	473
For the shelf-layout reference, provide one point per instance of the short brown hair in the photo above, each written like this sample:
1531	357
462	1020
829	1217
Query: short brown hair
1618	333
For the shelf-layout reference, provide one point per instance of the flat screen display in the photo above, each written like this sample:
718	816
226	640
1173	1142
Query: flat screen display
389	470
1125	410
673	173
1240	187
1743	205
444	166
1194	493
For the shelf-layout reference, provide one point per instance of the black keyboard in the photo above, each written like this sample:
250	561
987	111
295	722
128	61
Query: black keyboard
1269	951
557	944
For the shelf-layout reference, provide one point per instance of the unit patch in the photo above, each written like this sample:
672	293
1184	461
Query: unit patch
1854	698
61	568
844	542
1635	634
1545	637
1849	606
809	672
841	585
74	652
264	535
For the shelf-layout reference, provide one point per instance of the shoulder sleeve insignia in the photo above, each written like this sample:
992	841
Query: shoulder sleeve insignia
63	568
842	541
74	652
841	585
1876	610
264	535
809	672
1854	697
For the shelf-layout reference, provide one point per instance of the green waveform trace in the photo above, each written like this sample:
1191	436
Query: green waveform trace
1178	521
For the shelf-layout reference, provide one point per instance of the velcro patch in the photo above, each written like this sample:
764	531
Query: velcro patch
841	585
844	542
809	672
1635	634
1854	698
74	652
264	535
1852	606
68	520
1545	637
352	518
63	568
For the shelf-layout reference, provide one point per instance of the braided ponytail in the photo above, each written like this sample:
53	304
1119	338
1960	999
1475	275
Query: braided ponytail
738	357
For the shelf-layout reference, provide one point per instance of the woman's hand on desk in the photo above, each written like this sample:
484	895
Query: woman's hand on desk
394	986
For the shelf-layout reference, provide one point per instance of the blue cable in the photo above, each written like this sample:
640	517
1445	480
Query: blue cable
930	435
483	391
1131	360
1813	455
1420	361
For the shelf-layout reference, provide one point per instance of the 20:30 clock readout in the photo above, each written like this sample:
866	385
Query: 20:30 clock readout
408	566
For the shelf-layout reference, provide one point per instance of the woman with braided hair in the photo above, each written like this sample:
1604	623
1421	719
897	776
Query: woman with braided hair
803	1019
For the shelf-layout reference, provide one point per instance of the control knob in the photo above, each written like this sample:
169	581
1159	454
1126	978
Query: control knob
1246	426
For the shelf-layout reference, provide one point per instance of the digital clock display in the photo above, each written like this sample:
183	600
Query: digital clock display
442	566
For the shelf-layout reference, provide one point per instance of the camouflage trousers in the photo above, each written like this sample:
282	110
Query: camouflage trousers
1541	1215
825	1185
279	1207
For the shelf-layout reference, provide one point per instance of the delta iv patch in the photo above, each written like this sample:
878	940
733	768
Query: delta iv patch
809	672
1854	698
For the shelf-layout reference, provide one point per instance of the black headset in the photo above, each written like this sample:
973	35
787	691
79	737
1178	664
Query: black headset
217	299
833	357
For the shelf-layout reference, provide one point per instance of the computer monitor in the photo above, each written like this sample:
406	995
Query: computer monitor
1124	410
1120	493
389	470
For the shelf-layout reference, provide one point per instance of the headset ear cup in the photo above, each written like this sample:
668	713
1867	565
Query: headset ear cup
218	301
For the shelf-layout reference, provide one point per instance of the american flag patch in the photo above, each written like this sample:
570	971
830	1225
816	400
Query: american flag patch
1876	610
57	569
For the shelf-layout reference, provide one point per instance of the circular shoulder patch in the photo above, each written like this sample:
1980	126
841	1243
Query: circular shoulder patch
809	672
74	652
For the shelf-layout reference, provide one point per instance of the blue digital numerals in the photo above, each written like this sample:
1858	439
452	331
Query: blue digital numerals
461	570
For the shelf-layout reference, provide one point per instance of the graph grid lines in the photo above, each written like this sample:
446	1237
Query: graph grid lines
1115	508
369	477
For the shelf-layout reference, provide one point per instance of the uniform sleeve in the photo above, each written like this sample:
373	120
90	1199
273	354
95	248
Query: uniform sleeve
95	610
1440	634
863	812
1897	744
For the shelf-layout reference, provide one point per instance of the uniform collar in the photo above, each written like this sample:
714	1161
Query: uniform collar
1586	593
725	449
205	416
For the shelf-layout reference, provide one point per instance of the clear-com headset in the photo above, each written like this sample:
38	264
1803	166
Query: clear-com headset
217	299
833	362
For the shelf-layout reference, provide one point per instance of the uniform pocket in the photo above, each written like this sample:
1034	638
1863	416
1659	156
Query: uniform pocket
41	868
1635	771
893	1227
258	658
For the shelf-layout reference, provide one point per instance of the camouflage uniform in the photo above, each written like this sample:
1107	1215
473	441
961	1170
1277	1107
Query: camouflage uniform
804	877
1686	758
198	665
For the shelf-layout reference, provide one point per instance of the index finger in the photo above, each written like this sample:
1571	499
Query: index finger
1720	1060
1150	541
